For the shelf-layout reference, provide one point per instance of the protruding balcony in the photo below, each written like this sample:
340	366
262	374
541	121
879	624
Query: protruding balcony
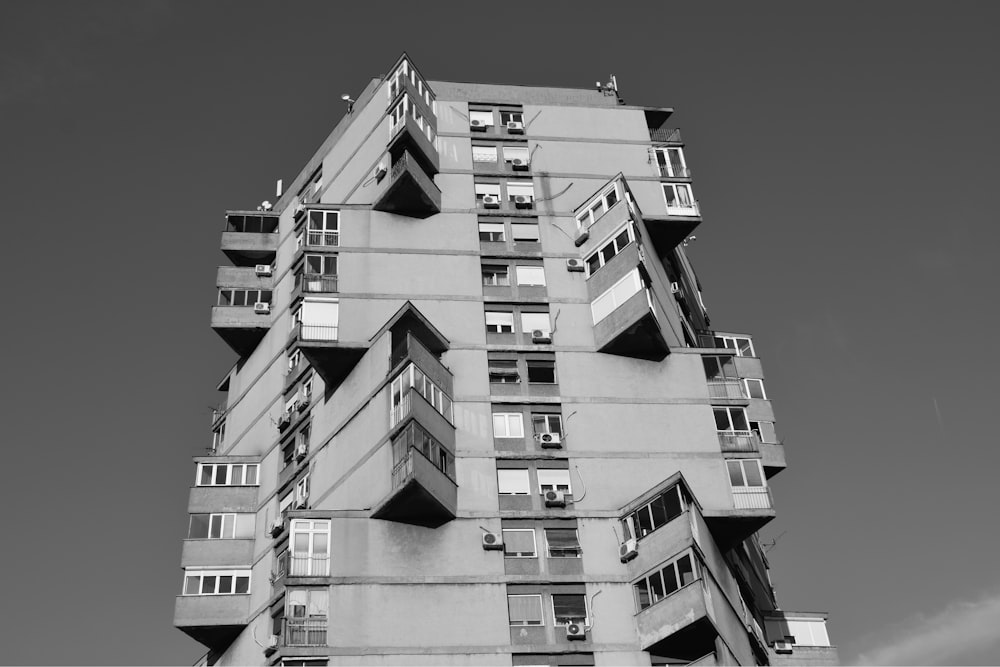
753	505
250	237
738	442
242	327
408	190
315	283
331	358
411	136
424	491
799	638
212	620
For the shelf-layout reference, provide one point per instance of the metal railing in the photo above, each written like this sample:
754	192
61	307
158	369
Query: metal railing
726	389
317	331
319	238
752	498
691	208
665	134
306	631
678	172
400	410
739	441
403	468
315	282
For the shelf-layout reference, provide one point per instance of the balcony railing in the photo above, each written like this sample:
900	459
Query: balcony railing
314	282
678	171
303	565
690	208
726	389
739	441
317	331
671	134
440	458
400	410
322	238
399	165
752	498
306	631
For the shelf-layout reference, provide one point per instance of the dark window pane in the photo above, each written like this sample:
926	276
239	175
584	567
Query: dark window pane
739	420
643	523
542	372
685	571
711	367
208	584
612	198
569	608
242	584
220	474
199	526
721	419
226	584
672	503
735	473
239	298
191	585
215	527
594	262
563	542
752	472
656	587
642	593
206	475
622	240
669	579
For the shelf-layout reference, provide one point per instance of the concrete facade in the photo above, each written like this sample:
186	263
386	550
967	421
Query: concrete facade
391	431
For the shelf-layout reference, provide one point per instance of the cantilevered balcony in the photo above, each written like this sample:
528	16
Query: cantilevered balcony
799	638
752	504
242	327
424	491
738	442
250	237
212	620
332	358
408	189
410	136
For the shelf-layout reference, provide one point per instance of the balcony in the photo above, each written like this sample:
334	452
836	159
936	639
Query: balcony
241	327
315	283
424	491
681	624
212	620
305	631
408	190
217	553
296	566
631	329
250	237
799	638
243	277
332	359
674	171
753	507
738	442
407	136
665	135
729	389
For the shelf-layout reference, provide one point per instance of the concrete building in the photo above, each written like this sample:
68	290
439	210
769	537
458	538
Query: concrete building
480	415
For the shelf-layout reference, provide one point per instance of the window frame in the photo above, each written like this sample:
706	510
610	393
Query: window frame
760	383
520	554
587	217
729	409
541	610
746	487
612	243
540	363
482	151
612	294
494	225
229	474
494	271
545	472
201	573
513	377
526	479
585	621
508	418
664	152
547	328
535	270
548	545
499	325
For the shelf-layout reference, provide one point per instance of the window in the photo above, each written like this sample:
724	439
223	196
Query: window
742	345
550	479
485	118
616	295
503	371
221	526
659	584
567	609
597	207
302	490
512	153
745	473
317	319
519	543
530	275
562	543
730	419
513	481
508	116
323	265
535	321
497	322
491	232
289	446
414	436
546	424
678	196
216	582
310	548
541	371
323	228
285	503
610	249
658	512
243	297
764	430
719	368
294	359
484	154
496	274
507	425
525	232
218	435
755	388
515	190
227	474
525	609
671	163
306	617
487	189
413	378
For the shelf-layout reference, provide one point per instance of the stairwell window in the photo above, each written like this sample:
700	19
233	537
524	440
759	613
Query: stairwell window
508	425
519	543
525	609
216	582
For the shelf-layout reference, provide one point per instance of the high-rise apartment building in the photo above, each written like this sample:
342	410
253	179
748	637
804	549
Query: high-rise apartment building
480	415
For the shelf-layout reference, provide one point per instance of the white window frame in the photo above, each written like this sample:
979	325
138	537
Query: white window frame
311	528
492	228
499	321
692	205
521	554
545	326
510	419
511	153
586	608
486	117
523	482
252	296
549	480
520	189
487	189
529	275
664	152
516	116
201	573
729	414
546	419
613	243
327	229
597	207
496	281
743	463
760	430
548	547
541	611
479	154
230	477
616	296
760	383
733	343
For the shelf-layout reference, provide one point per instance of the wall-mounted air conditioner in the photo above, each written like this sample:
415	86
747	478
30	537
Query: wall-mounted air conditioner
262	308
489	201
541	336
555	499
515	127
492	542
628	550
574	264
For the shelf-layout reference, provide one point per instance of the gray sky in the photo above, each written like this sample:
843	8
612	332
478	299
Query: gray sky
844	154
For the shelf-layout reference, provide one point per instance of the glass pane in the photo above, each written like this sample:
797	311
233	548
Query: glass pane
215	527
242	585
206	475
562	542
594	262
611	198
735	473
226	584
251	478
221	474
513	481
739	419
669	579
643	522
756	388
192	585
321	544
199	526
685	571
519	543
656	592
208	584
721	419
659	512
622	239
745	347
525	609
668	192
672	503
228	526
712	369
752	472
569	608
642	593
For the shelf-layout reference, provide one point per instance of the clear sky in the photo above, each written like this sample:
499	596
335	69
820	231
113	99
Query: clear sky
845	156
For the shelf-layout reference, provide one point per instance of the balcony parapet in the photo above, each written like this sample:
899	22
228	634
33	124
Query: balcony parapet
424	492
739	442
670	135
408	190
213	620
332	358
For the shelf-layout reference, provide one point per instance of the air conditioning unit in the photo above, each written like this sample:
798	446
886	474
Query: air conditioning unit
272	646
492	542
574	264
262	269
519	165
277	527
540	336
489	201
550	440
285	420
582	238
555	499
301	450
628	550
515	127
783	647
302	502
262	308
576	631
522	201
380	171
477	125
675	288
